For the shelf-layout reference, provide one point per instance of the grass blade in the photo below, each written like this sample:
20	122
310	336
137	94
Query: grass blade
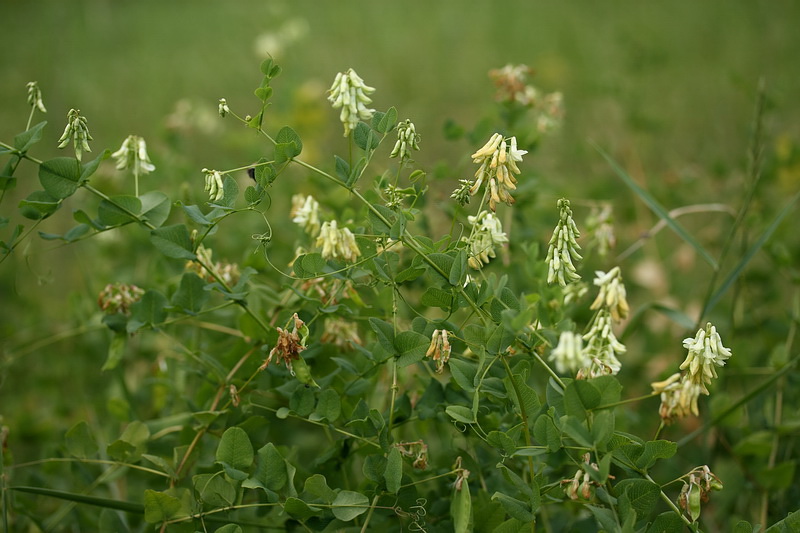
657	208
128	507
737	271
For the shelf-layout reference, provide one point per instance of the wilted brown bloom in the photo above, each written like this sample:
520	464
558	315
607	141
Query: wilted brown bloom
117	298
289	345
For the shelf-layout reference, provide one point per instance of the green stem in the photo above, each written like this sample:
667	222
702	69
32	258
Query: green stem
523	413
669	502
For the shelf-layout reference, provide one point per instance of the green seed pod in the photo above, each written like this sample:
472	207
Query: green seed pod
302	372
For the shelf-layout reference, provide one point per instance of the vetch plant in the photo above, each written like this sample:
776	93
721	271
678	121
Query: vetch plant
364	366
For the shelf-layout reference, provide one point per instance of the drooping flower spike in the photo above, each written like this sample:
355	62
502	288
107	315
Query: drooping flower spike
498	160
349	93
563	248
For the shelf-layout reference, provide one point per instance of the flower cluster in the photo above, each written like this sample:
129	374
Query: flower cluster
612	294
601	229
680	392
512	88
133	154
214	186
35	96
76	131
340	333
439	349
305	213
486	234
337	243
498	160
511	84
568	355
407	140
227	272
563	248
581	484
118	298
223	108
350	93
602	347
289	345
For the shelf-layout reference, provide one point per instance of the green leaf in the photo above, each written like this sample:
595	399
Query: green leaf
740	266
514	507
288	136
131	444
151	309
393	474
579	397
214	490
384	122
501	440
317	486
173	241
460	413
302	400
80	442
643	494
235	449
329	406
546	433
411	347
461	509
253	195
265	172
443	265
342	169
654	206
654	450
605	517
527	398
602	428
114	211
191	294
669	522
349	504
39	205
116	350
90	167
790	524
381	224
458	272
742	526
60	177
609	388
576	430
155	207
26	139
229	528
270	472
159	506
364	137
298	509
309	266
436	297
463	373
230	191
384	332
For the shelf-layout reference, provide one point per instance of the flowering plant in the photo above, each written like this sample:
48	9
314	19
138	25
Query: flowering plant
385	372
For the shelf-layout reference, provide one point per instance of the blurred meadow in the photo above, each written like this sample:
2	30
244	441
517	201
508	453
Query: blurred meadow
667	88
